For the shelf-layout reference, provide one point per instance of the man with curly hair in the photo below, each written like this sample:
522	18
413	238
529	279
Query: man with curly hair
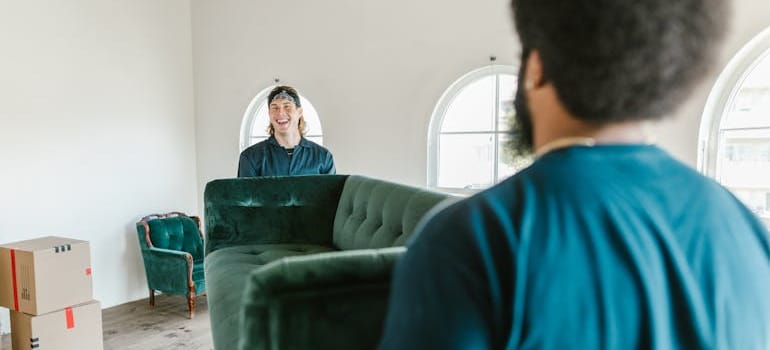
605	241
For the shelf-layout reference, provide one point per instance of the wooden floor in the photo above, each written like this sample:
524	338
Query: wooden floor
136	325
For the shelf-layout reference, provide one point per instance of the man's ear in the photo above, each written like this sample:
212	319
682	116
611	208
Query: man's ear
534	71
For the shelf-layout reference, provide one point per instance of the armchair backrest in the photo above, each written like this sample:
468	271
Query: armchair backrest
173	231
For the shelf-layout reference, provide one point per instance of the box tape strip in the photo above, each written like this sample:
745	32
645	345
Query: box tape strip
14	283
70	318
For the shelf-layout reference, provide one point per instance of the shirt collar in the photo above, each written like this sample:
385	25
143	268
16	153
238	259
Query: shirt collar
303	142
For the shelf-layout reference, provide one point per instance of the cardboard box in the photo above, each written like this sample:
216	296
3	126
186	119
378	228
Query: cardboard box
45	274
78	327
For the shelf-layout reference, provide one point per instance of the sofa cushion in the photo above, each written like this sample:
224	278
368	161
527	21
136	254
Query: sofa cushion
377	214
227	270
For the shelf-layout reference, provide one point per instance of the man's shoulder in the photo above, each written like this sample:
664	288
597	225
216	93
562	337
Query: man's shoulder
462	219
312	145
257	147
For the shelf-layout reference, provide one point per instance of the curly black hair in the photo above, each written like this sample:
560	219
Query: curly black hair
620	60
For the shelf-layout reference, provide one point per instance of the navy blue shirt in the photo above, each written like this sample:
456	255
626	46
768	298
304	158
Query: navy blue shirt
605	247
268	158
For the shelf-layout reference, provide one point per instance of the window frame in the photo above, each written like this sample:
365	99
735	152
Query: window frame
722	95
439	113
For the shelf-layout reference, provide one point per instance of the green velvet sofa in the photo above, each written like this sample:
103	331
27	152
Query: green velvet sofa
304	262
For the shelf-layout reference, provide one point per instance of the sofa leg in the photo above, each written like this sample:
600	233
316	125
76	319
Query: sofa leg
152	298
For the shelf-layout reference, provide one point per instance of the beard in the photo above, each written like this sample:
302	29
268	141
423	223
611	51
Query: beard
521	132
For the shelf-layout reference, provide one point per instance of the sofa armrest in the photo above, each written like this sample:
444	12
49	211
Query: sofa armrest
303	301
271	210
304	272
168	270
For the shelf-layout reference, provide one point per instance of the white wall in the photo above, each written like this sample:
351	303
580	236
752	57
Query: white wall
96	127
373	69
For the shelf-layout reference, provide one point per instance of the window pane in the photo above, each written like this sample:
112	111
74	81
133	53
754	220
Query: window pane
743	158
751	105
466	161
760	74
473	108
744	166
261	121
505	107
312	122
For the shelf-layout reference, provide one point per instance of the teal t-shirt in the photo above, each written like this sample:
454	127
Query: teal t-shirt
605	247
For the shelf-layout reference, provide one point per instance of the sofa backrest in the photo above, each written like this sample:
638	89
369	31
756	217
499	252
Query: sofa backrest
266	210
376	214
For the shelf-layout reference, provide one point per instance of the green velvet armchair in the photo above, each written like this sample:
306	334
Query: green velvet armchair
172	250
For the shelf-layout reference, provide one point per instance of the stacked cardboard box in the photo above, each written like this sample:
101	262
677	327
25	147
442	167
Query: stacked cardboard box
46	283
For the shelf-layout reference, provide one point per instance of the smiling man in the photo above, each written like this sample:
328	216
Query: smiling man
286	152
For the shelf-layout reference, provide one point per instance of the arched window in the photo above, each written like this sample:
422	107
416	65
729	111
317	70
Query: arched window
468	132
256	120
734	136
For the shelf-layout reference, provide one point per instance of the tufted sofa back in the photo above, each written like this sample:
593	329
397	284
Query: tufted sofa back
271	210
376	214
